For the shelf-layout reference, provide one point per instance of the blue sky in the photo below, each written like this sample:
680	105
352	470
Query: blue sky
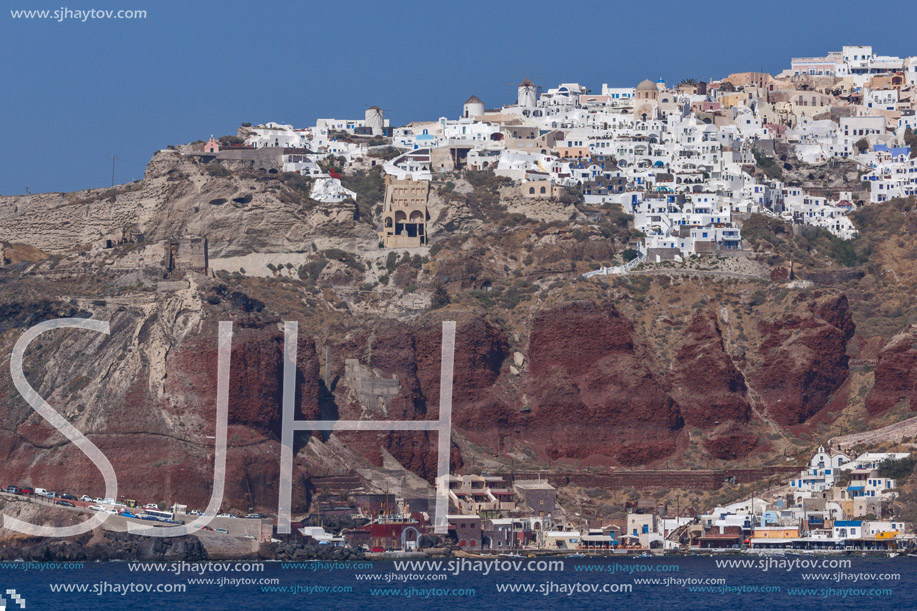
75	93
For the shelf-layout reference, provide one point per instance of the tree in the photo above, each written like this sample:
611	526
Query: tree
861	145
910	139
440	297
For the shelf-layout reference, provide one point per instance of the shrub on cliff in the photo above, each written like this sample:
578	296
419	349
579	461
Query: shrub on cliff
230	140
344	257
217	170
897	469
767	165
301	185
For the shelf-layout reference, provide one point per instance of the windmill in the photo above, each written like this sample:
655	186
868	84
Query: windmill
527	91
374	120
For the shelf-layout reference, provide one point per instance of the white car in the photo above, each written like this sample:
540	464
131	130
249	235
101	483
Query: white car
225	515
86	498
96	508
151	506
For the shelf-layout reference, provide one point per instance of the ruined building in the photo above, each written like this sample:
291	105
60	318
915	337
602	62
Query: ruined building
188	253
404	213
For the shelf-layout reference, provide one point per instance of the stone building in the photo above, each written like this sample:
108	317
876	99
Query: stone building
537	495
188	253
539	189
646	105
404	213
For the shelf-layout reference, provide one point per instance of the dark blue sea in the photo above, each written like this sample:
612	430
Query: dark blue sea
635	584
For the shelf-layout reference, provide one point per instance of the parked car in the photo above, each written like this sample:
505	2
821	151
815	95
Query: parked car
68	497
225	515
28	491
96	508
41	492
86	498
377	550
64	503
256	516
221	531
128	514
151	506
14	489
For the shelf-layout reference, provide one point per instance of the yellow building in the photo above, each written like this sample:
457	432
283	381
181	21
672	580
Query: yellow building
404	213
776	532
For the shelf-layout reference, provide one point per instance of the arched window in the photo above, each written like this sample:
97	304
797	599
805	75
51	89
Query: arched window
531	190
543	190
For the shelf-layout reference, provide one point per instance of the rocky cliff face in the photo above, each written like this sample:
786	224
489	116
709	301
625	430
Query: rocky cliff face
896	374
239	213
592	392
146	396
709	386
549	369
804	360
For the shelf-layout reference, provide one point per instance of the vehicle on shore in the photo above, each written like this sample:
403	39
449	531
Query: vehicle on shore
11	489
64	503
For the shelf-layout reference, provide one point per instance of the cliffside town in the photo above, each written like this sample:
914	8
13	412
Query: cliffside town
696	284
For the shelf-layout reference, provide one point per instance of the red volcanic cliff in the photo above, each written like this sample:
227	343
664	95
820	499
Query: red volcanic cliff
709	388
592	393
255	377
896	374
731	442
803	360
